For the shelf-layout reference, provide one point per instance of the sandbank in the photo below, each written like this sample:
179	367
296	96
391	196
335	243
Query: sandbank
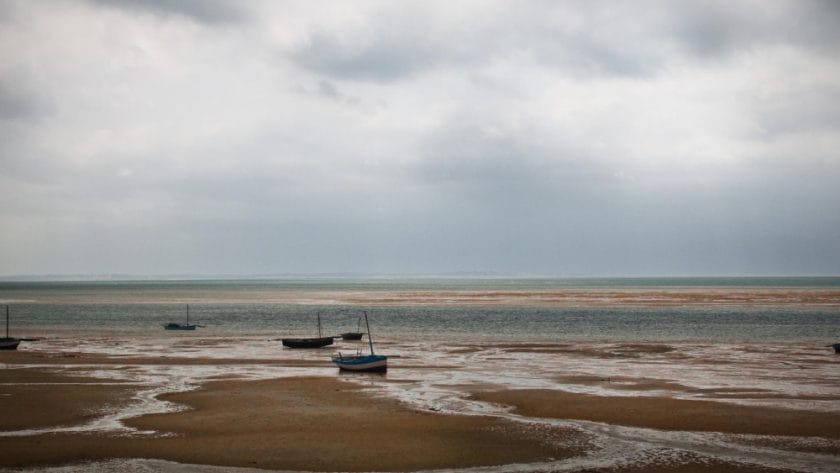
665	413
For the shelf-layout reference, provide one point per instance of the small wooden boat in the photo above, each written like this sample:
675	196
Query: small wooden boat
357	335
8	343
359	362
178	326
315	342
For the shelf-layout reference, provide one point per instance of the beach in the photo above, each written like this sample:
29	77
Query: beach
495	390
68	408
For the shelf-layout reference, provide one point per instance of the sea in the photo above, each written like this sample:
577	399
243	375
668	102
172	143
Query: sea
289	307
748	341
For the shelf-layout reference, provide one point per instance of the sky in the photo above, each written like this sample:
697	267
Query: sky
577	138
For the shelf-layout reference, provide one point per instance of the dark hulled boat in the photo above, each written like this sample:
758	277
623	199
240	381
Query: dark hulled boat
357	335
314	342
179	326
7	342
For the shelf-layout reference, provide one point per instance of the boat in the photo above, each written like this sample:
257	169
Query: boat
315	342
8	343
178	326
357	335
360	362
836	347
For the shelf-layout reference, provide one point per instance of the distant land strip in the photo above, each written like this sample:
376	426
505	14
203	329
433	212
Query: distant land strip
793	297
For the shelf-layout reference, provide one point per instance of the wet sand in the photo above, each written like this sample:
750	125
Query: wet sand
667	413
36	398
292	421
320	424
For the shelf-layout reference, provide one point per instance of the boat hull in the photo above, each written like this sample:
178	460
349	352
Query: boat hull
9	343
179	327
307	342
352	336
836	347
368	363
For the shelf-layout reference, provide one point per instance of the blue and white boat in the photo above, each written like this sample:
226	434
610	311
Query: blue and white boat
359	362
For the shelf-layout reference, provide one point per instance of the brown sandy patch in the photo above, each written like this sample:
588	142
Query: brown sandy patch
667	413
564	297
80	358
305	424
625	383
687	463
635	350
36	398
594	297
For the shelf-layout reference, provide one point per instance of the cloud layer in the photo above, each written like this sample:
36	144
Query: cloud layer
563	138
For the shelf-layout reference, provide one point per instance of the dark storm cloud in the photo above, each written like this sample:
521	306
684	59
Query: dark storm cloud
204	11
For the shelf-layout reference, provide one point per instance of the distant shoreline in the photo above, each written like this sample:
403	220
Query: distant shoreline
498	279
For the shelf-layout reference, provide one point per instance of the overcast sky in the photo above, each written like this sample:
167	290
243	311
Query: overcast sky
543	138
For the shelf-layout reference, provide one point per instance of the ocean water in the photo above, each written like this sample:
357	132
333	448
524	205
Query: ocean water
289	307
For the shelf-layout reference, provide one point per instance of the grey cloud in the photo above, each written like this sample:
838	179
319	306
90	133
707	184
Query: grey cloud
395	45
203	11
18	102
797	111
402	47
714	29
387	57
498	174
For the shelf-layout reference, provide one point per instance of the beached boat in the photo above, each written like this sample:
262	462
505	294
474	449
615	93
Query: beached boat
8	343
357	335
359	362
178	326
315	342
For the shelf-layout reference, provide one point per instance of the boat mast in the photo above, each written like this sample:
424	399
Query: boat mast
370	339
188	314
7	321
319	324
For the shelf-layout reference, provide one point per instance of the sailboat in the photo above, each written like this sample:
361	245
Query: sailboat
357	335
316	342
8	343
177	326
359	362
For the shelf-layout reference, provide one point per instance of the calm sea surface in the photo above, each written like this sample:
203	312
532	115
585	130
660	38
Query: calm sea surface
262	307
